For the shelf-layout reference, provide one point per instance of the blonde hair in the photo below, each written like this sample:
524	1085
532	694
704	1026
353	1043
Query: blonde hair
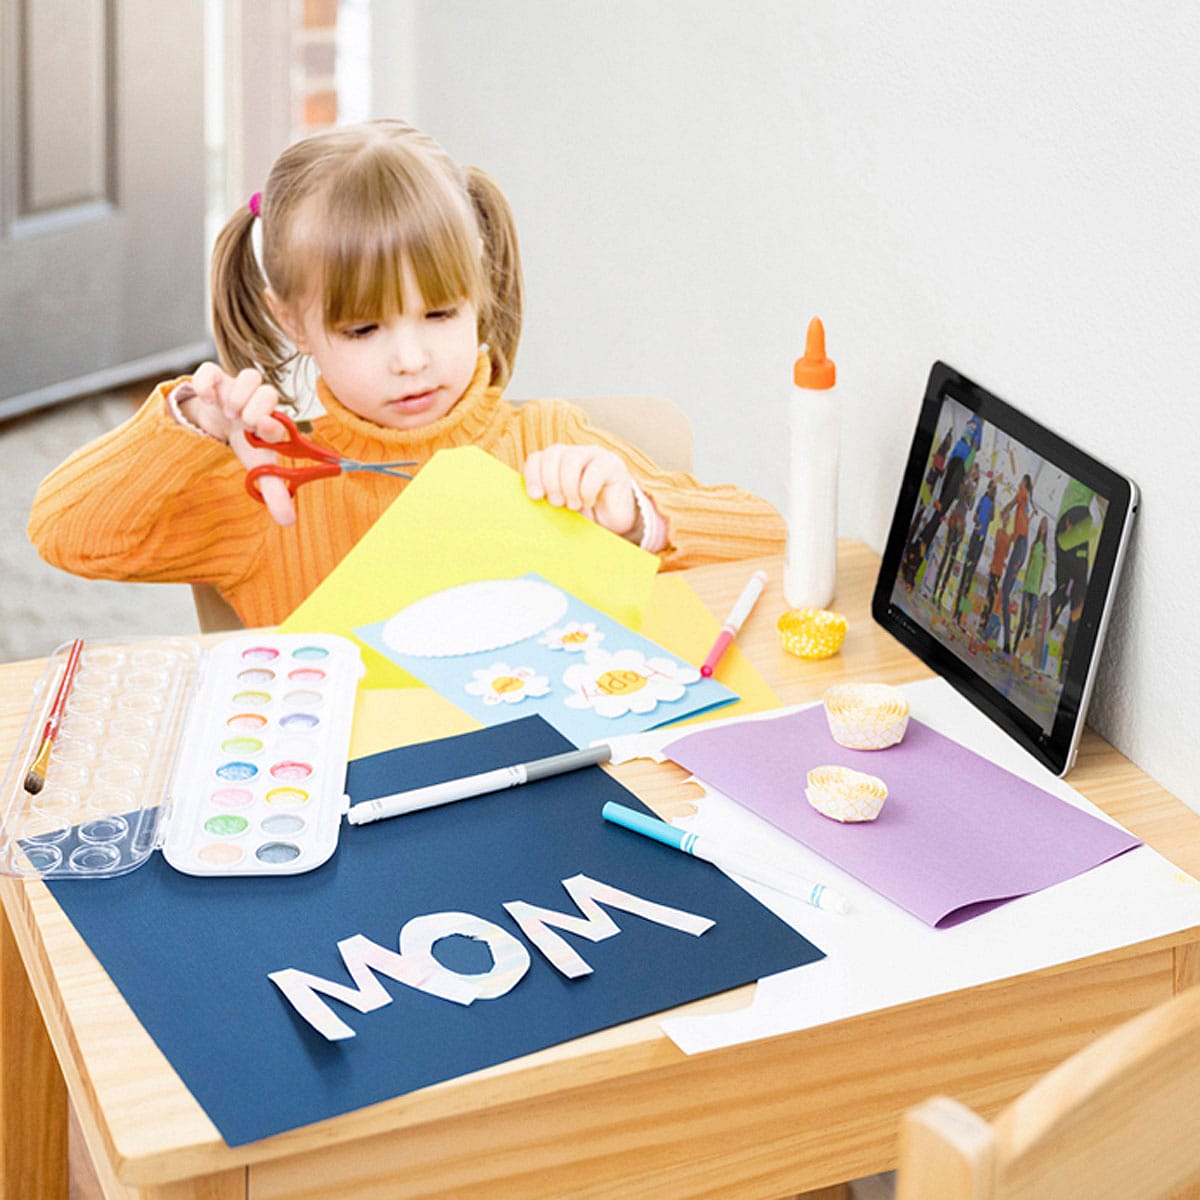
343	212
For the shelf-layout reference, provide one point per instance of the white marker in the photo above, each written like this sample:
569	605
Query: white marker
475	785
816	894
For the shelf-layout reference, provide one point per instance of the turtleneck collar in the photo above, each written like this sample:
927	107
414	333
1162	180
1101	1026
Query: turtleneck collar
464	425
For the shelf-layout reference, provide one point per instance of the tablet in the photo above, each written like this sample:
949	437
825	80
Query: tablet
1002	561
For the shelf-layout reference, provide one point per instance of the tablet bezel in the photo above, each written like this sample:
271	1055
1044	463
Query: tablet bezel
1056	749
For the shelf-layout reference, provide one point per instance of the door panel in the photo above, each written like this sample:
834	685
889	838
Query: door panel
102	194
63	145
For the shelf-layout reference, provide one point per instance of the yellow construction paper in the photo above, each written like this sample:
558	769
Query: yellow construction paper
466	517
385	718
679	621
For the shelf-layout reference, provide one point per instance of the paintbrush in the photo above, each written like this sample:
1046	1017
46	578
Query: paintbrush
36	778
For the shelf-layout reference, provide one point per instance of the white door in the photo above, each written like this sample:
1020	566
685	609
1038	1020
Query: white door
102	195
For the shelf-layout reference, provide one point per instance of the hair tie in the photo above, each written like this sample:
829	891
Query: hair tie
256	204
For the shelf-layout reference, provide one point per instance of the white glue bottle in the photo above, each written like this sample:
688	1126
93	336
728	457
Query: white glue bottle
811	568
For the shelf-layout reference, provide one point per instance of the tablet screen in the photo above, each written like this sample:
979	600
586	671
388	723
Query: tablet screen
1001	562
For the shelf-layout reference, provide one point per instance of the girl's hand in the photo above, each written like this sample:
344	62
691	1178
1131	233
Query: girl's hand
589	479
225	406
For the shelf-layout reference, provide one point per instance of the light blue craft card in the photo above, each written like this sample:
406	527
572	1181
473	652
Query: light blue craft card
506	648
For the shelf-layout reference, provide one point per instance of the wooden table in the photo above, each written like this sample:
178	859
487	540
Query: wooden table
620	1113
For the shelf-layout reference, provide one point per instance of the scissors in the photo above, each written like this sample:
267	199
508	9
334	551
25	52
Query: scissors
296	445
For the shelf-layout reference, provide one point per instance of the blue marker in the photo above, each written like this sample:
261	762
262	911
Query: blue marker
816	894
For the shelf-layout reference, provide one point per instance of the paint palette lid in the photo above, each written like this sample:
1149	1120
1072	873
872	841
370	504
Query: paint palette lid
106	786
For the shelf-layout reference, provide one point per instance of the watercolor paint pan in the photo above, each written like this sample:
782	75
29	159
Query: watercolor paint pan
231	761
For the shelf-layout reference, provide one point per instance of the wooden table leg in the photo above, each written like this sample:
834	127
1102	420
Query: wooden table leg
1186	966
838	1191
33	1097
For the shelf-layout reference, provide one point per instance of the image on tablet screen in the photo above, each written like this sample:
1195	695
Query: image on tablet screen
997	559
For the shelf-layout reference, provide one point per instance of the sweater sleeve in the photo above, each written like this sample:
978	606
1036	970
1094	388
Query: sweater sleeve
151	501
705	523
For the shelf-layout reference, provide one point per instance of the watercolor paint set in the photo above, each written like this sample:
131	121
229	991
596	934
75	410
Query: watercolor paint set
231	760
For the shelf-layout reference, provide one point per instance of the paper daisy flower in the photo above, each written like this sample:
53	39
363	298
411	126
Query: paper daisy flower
502	684
625	682
574	636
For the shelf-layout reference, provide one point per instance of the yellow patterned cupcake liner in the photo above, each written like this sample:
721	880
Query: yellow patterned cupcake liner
845	795
866	716
812	632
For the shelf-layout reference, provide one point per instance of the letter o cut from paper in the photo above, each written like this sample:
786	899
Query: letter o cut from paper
510	959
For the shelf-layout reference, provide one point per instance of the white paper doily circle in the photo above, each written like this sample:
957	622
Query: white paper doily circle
474	617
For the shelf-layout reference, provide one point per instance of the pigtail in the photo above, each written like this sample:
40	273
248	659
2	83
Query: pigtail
503	311
243	327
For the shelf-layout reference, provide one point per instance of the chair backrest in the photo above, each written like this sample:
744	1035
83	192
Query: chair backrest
655	425
213	612
1116	1120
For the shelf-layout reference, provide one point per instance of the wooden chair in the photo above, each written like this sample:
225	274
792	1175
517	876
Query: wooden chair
213	612
654	424
1118	1119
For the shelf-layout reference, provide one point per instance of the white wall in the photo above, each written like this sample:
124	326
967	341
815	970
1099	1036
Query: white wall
1011	187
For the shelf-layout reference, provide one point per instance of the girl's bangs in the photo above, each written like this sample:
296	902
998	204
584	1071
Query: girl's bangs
362	257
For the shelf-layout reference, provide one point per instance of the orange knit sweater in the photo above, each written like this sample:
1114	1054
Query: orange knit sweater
155	501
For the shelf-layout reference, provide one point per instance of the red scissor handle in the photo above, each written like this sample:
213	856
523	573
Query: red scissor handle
295	445
293	477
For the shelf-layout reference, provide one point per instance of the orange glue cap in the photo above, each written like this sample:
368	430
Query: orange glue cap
814	370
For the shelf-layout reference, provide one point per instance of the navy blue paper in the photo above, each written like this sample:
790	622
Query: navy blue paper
191	955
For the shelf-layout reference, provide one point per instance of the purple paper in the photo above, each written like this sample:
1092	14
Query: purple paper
957	836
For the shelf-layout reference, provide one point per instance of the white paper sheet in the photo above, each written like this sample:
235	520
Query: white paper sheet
879	956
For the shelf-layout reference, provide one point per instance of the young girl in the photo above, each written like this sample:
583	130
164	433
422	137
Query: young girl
1021	505
397	272
966	582
956	525
989	617
1035	568
962	457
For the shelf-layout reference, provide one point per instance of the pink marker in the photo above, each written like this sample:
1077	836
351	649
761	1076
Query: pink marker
733	622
